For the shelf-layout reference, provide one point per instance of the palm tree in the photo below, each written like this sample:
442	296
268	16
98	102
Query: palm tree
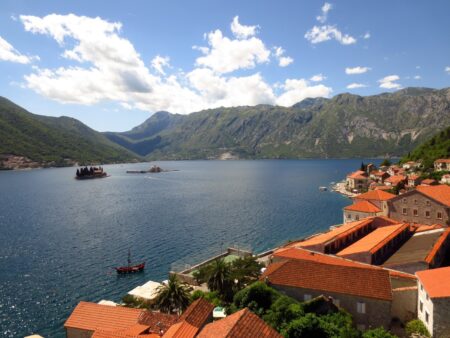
219	277
173	297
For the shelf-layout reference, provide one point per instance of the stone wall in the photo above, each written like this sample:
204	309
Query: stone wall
404	304
414	200
378	312
441	317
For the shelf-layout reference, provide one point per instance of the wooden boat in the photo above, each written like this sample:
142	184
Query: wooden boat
130	268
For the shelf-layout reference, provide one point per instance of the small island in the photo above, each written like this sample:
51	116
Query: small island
90	173
153	169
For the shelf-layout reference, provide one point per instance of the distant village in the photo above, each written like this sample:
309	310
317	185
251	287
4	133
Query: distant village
387	266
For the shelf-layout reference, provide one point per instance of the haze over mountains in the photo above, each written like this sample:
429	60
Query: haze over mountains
343	126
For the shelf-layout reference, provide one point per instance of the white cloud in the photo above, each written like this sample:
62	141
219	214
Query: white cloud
283	61
159	62
356	85
325	9
318	78
242	31
104	66
389	82
417	77
296	90
356	70
225	55
9	53
319	34
366	36
447	69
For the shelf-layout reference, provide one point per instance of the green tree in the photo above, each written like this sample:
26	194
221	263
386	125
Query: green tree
283	311
386	162
305	327
417	326
212	297
173	297
258	297
245	270
378	333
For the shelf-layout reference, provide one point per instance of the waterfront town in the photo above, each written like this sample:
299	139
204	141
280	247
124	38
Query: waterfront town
387	266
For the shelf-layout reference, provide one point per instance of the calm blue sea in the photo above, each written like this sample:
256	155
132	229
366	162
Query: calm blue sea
59	238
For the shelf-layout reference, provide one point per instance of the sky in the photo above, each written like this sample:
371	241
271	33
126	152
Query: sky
112	64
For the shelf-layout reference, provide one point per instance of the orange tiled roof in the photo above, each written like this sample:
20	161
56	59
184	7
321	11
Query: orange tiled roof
192	320
135	331
437	246
424	227
377	195
360	175
363	206
428	181
362	281
242	324
304	254
92	316
440	193
383	187
436	282
374	240
396	179
443	160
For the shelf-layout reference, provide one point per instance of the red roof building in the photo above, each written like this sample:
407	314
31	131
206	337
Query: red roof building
242	324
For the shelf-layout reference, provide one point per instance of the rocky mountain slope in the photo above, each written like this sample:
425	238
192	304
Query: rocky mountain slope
344	126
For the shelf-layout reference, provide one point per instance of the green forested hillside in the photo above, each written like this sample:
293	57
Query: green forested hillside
345	126
54	140
436	147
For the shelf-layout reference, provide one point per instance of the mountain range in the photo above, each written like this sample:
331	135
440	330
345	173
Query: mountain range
388	124
347	125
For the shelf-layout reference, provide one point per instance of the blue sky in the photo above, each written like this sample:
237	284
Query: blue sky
111	64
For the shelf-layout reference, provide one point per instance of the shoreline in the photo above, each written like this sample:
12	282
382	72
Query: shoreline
340	189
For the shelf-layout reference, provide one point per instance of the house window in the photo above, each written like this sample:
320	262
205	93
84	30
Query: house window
357	217
427	317
361	307
415	212
415	201
427	297
421	306
439	215
427	214
428	203
349	216
307	297
404	211
404	200
421	287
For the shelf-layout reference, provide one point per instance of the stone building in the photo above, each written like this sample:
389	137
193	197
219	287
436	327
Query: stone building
371	294
424	205
371	203
434	301
358	181
442	164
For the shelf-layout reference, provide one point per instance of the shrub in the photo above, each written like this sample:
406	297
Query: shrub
378	333
283	311
416	326
258	297
305	327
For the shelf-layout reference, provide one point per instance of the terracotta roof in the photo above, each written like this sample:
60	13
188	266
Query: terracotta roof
157	321
242	324
303	254
377	195
437	246
436	282
440	193
374	240
342	230
360	175
428	181
362	281
192	320
396	179
383	187
413	177
135	331
363	206
443	160
425	227
92	316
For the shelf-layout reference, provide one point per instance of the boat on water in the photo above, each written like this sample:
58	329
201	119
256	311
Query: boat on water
90	173
130	268
323	188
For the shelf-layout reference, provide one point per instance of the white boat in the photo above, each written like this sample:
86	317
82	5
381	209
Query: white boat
323	188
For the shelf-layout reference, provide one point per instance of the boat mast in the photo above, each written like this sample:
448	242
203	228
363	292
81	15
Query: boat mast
129	257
